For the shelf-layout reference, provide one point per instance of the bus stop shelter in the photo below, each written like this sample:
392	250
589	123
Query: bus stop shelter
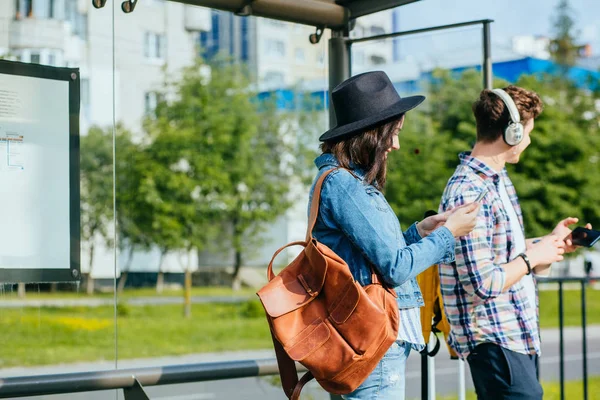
337	15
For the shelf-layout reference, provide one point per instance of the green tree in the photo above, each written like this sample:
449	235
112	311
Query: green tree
171	218
430	141
134	214
563	47
97	193
238	157
559	165
96	163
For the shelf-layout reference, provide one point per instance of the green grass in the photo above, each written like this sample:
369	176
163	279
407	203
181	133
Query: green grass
63	335
572	307
39	336
573	390
127	294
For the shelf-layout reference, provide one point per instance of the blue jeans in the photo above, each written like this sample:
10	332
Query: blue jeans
387	381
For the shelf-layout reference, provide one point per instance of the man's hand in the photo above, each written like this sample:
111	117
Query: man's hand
547	251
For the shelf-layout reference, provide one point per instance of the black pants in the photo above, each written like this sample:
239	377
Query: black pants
501	374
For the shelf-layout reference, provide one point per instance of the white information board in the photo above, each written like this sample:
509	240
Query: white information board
39	173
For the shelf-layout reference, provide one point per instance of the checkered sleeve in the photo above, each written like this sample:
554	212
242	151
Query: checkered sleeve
475	267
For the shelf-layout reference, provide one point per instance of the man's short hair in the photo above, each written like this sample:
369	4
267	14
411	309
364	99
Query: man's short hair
492	116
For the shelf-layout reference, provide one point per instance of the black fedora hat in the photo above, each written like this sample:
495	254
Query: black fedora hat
365	101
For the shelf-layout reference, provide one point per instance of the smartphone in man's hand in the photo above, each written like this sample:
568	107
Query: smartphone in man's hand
584	237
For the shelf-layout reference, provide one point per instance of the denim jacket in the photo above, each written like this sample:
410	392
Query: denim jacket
357	223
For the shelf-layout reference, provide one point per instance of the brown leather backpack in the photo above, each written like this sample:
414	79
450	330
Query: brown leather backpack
322	318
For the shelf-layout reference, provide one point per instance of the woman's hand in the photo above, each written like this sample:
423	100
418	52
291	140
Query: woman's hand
462	220
430	224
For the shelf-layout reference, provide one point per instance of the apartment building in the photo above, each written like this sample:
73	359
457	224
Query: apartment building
72	33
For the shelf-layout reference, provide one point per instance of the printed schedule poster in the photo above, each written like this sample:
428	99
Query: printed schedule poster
39	173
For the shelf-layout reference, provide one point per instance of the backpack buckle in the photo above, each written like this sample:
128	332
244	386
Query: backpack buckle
304	284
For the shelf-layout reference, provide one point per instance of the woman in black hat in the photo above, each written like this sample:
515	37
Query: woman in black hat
358	224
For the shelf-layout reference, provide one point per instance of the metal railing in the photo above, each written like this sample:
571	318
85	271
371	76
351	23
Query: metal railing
132	381
428	373
561	325
486	40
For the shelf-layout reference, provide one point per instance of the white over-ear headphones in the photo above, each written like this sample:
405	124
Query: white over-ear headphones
513	134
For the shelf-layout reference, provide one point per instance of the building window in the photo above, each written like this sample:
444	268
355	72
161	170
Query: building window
275	48
231	35
34	58
358	57
35	8
85	91
154	46
76	20
70	11
51	60
80	29
300	55
24	8
151	100
377	30
377	59
320	59
245	40
44	9
274	78
209	41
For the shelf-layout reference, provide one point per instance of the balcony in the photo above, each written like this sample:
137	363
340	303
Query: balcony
197	19
37	33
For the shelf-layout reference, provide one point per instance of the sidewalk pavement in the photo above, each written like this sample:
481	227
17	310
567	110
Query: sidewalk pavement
132	301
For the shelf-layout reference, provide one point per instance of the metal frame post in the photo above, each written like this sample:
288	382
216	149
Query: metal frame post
431	367
487	43
339	65
487	56
561	323
462	384
339	71
136	392
424	377
584	339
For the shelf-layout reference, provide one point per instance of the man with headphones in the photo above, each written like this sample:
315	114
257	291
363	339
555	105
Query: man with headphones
489	292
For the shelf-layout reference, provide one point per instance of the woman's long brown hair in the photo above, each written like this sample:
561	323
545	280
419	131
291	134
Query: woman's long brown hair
367	151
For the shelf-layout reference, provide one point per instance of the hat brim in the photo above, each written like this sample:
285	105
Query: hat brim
389	114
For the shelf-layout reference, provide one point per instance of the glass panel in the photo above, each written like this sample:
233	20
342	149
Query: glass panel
444	66
65	184
218	118
200	132
438	65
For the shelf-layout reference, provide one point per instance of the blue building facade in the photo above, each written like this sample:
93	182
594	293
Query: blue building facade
229	34
511	71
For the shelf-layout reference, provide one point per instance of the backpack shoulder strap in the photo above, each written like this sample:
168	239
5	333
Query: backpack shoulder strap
288	373
314	205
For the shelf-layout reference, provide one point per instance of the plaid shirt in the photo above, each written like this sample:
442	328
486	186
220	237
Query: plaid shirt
477	308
